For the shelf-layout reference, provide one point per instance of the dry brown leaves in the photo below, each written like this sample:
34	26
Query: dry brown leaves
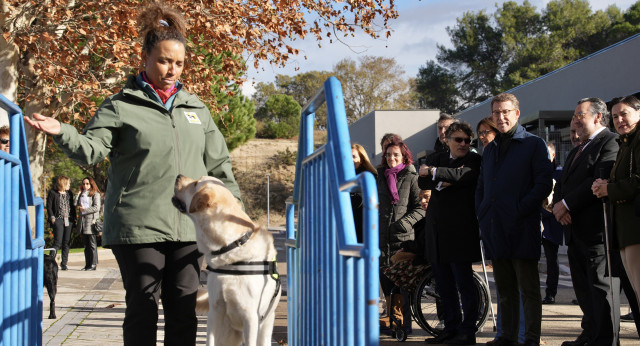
85	48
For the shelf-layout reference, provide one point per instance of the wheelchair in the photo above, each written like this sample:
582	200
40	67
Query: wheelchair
424	302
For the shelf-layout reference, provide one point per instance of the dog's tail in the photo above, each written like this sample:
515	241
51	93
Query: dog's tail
202	302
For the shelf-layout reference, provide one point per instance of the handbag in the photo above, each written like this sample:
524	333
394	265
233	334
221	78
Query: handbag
96	227
404	274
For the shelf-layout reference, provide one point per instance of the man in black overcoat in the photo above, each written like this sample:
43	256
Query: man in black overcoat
576	208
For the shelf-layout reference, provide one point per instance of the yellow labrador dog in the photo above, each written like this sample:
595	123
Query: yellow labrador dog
243	285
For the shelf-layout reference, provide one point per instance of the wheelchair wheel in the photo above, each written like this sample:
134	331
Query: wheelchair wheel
425	301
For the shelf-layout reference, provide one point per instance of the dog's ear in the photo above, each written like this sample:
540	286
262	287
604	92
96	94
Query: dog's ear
201	200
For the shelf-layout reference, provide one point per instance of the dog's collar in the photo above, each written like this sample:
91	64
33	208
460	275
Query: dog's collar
238	242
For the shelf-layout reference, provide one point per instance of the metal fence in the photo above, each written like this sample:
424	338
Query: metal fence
21	250
332	279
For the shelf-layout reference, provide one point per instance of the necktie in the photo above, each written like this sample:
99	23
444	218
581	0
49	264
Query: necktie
580	148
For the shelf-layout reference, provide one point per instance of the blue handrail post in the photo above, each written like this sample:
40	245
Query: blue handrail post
332	280
21	252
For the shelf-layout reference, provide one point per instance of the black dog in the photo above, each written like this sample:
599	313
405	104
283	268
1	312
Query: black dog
51	280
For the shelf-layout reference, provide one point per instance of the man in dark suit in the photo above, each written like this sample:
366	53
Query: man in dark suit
581	212
515	178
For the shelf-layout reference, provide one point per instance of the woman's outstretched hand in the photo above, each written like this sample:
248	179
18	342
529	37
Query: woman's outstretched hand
47	125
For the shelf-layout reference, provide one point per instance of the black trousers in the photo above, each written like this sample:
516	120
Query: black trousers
169	271
512	277
588	264
90	250
61	238
553	268
452	278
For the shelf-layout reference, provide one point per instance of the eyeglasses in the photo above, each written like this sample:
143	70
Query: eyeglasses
502	112
484	133
4	141
466	140
579	116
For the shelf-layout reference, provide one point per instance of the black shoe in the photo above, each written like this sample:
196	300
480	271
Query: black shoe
63	267
85	269
574	302
92	268
440	338
628	317
582	340
548	300
461	339
501	342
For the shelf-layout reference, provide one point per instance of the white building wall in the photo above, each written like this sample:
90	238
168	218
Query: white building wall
417	127
606	74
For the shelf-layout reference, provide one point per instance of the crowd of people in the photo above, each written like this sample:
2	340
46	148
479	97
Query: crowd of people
515	199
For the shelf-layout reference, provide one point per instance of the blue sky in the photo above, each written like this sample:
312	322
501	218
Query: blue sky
421	25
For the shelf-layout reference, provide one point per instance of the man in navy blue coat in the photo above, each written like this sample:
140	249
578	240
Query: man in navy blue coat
515	177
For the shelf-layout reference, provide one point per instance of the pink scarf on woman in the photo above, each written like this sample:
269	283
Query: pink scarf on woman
392	181
163	94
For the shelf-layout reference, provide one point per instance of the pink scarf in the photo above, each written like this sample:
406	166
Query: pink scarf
392	181
163	94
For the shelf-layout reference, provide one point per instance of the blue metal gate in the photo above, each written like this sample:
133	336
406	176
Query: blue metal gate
21	251
332	280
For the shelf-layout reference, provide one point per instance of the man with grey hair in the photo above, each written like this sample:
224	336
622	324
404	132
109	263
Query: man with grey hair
576	208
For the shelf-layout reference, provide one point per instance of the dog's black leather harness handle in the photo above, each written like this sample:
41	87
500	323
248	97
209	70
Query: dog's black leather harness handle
239	242
268	268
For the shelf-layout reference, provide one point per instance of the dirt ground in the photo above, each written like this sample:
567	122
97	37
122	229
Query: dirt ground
252	162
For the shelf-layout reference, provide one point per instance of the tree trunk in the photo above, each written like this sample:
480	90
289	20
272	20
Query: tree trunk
8	75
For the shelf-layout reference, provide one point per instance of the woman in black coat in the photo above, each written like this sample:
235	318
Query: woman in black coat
399	210
62	216
452	240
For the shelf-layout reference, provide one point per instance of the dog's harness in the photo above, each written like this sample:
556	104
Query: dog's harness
248	267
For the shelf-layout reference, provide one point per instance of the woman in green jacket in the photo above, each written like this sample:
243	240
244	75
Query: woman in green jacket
152	130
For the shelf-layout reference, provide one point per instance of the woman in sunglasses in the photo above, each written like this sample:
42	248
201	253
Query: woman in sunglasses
4	138
452	241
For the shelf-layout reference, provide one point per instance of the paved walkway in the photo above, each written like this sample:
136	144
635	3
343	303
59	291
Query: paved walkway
90	309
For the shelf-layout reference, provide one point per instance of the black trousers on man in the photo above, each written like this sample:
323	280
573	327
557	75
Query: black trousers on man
588	264
553	268
513	277
452	278
169	271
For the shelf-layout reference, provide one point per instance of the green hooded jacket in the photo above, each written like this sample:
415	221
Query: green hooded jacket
148	146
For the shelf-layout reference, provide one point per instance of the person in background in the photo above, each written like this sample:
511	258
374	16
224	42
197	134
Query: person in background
487	131
88	202
443	124
4	138
362	164
515	178
399	211
62	216
551	235
623	187
384	141
452	239
152	130
425	197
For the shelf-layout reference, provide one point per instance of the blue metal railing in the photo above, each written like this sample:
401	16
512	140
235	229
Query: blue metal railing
21	251
332	280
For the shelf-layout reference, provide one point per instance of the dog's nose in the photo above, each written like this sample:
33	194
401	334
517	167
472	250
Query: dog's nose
179	177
